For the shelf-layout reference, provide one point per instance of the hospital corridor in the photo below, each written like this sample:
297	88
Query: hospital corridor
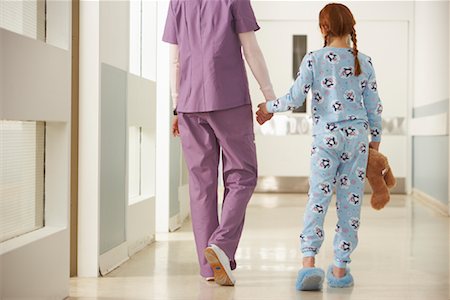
224	150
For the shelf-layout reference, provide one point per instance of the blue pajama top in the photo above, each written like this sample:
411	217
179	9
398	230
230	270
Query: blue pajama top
337	94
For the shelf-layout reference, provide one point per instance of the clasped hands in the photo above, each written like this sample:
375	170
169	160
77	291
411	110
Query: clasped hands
262	115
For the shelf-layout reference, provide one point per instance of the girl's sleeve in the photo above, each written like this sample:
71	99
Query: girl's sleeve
373	106
297	93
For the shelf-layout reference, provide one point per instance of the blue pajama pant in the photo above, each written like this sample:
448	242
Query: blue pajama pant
338	160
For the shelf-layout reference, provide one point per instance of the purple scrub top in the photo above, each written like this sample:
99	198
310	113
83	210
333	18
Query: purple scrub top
212	71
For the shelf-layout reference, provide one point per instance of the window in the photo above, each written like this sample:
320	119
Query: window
22	165
25	17
143	38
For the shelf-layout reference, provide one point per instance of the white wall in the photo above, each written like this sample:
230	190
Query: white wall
19	68
142	113
431	52
431	104
106	34
163	118
37	77
88	149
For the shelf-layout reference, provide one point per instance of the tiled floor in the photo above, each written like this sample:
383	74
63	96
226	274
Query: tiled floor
403	253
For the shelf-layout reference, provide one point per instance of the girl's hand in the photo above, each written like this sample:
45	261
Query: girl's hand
262	115
175	130
374	145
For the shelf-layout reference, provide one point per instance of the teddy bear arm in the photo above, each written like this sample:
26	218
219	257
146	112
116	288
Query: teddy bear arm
390	179
380	192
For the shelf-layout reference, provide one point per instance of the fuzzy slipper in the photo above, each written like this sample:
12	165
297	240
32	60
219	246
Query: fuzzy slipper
310	279
343	282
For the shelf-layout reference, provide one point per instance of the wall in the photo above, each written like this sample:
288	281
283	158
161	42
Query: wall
113	157
430	113
117	91
37	76
88	151
141	112
114	65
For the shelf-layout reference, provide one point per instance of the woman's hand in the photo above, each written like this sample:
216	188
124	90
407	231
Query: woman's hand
175	130
262	115
374	145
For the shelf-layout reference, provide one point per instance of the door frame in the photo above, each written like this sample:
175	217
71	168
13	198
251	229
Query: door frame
74	140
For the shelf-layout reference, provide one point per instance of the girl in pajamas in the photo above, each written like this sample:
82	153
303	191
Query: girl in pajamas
346	108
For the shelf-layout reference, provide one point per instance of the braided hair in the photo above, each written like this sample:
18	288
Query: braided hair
336	20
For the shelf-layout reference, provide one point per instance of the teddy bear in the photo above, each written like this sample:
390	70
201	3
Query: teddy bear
380	177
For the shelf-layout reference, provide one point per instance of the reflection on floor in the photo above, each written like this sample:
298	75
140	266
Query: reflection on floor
403	253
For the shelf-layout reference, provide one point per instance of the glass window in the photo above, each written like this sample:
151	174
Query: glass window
143	37
22	167
25	17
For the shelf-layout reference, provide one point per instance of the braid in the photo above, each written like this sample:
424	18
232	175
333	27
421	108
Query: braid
355	53
325	38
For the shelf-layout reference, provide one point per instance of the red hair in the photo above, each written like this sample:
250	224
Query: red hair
336	20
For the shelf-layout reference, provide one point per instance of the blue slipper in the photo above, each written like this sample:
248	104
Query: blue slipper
343	282
310	279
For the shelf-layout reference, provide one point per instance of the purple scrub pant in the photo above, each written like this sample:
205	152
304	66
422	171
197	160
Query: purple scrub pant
203	135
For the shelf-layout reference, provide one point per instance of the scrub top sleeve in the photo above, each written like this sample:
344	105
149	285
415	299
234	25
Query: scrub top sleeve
170	30
243	16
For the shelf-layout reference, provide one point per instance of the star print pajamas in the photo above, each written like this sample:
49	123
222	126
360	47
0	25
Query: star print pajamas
345	109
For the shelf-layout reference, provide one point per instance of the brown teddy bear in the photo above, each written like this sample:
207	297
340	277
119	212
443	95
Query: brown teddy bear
380	177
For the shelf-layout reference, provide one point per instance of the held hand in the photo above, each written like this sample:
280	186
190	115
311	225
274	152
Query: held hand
374	145
175	130
262	115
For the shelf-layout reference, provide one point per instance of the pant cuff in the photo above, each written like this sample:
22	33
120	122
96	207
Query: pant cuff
309	254
340	264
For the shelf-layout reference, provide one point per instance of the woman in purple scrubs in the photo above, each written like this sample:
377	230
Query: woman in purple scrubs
213	112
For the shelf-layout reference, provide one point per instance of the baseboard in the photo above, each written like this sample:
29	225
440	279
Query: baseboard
174	223
431	202
113	258
137	245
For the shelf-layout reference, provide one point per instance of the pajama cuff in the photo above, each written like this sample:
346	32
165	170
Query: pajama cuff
340	264
309	253
376	139
269	106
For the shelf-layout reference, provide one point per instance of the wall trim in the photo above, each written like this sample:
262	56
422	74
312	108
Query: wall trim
137	245
113	258
74	139
174	223
435	125
431	109
431	202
